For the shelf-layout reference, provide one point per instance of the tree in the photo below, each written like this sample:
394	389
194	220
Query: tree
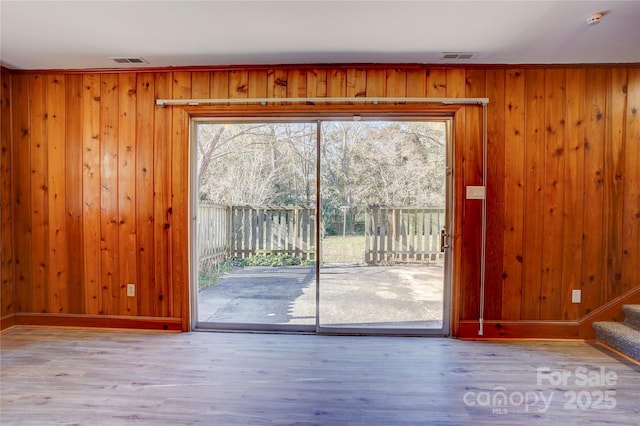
295	145
395	163
401	164
274	160
339	140
212	139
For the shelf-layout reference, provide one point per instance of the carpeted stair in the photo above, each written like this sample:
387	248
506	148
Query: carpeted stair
623	336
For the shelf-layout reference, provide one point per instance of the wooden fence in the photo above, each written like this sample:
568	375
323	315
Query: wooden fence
213	233
403	234
288	230
392	234
244	231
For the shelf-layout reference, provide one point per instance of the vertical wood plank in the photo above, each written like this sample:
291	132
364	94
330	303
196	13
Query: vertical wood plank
245	224
376	82
297	83
269	230
472	82
21	160
416	83
277	83
127	232
255	218
180	201
109	223
495	91
614	189
474	86
39	192
396	82
201	84
56	203
631	209
553	220
162	194
91	192
454	82
356	82
220	84
573	210
260	236
593	255
514	195
74	189
238	83
6	205
421	236
144	192
257	84
534	183
337	83
437	83
317	83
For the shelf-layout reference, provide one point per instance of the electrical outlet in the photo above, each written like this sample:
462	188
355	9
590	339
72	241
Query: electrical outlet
576	296
131	290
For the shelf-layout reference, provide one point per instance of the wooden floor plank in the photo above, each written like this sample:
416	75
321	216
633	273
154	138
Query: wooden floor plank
64	376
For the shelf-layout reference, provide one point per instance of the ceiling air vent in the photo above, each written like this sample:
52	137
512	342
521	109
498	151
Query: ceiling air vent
457	55
121	60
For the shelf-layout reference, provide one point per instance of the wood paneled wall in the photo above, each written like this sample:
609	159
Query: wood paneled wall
570	195
94	194
7	283
100	183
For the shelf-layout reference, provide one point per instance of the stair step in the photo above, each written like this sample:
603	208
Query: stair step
620	336
632	315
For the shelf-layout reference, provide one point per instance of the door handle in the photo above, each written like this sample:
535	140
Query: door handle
443	240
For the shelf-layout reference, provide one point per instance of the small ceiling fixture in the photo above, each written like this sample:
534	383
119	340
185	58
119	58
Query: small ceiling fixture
457	55
595	18
124	60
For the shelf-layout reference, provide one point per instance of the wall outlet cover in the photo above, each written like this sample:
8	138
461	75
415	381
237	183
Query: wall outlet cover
475	192
576	296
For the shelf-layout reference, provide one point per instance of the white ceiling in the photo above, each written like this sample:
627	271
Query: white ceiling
84	34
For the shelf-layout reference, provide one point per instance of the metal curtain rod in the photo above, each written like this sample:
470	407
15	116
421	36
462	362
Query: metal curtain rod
264	101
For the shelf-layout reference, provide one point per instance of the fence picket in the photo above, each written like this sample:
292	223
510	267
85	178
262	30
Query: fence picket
406	234
213	235
244	231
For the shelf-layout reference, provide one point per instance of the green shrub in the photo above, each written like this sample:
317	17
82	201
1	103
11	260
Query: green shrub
273	259
209	277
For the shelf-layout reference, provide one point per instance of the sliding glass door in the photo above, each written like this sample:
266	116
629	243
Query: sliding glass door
331	226
256	225
384	195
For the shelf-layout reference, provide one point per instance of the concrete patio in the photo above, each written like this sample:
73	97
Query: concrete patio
399	296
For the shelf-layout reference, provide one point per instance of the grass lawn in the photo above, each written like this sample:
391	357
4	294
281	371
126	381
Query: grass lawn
338	249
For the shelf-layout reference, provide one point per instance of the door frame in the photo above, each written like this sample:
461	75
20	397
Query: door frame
248	113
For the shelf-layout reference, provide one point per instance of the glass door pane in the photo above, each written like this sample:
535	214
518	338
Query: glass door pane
256	225
384	196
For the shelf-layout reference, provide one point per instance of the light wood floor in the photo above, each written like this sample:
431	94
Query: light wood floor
61	376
